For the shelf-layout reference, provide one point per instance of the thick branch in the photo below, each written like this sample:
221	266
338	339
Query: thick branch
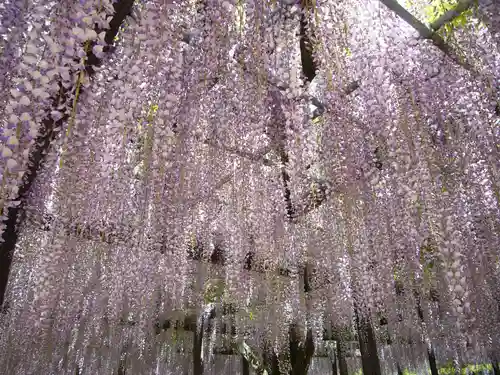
47	134
306	54
285	178
256	157
112	232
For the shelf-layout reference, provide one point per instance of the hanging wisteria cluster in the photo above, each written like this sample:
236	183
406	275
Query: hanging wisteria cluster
250	186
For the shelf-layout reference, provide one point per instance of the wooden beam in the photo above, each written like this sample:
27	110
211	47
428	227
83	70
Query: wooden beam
450	15
255	157
397	8
426	33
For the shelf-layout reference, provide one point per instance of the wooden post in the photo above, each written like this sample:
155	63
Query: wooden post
496	368
334	365
270	360
300	355
367	345
197	345
245	366
343	369
432	361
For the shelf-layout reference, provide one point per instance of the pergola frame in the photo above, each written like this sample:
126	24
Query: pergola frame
123	8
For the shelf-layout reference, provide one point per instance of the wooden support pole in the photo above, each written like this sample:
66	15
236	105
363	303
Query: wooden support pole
334	365
245	366
432	361
367	345
341	356
496	368
270	360
301	353
197	346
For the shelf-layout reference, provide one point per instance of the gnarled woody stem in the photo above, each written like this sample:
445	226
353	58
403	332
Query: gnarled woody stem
48	133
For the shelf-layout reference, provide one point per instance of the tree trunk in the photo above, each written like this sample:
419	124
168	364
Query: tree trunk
15	215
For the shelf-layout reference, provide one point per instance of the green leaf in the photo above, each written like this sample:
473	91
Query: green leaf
214	291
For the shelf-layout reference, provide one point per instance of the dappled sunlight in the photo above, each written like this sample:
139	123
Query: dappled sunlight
250	187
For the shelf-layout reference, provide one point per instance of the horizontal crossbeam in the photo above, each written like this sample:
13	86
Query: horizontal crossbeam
427	33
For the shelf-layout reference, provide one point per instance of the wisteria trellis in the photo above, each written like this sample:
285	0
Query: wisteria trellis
260	184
